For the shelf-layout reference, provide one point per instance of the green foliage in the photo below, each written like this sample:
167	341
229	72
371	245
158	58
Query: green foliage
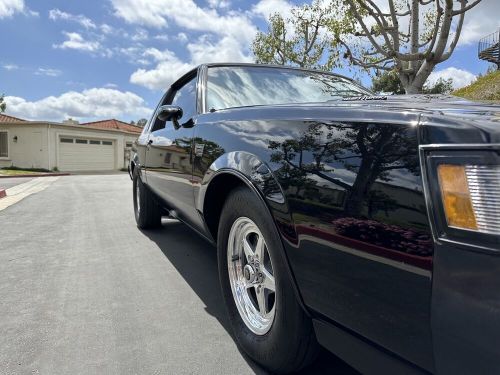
486	87
388	82
2	104
14	168
305	39
442	86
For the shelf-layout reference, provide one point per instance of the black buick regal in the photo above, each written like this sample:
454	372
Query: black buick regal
367	225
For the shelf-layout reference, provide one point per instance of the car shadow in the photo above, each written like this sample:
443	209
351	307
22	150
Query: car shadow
196	261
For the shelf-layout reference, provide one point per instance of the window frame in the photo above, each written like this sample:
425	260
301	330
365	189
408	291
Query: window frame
169	95
8	145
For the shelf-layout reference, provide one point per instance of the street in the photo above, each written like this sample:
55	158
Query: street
83	291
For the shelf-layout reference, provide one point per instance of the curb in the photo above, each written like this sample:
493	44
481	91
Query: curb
3	194
36	175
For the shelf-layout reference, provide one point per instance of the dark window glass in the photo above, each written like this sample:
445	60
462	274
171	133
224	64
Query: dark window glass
81	141
128	144
66	140
107	143
246	86
92	142
4	145
185	98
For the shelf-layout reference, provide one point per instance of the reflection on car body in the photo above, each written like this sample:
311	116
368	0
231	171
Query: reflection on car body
359	195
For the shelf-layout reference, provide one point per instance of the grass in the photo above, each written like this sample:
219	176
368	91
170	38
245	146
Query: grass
484	88
16	171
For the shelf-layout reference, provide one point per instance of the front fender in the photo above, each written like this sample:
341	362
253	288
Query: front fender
259	177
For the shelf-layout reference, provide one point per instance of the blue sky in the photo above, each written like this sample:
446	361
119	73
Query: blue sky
114	58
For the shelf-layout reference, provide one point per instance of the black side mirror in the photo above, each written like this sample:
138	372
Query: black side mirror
170	113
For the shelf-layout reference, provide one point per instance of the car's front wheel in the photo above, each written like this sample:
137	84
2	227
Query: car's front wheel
268	322
146	209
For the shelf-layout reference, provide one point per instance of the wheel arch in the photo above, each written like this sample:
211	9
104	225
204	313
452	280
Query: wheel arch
237	169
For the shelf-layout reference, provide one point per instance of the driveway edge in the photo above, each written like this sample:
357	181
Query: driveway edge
36	175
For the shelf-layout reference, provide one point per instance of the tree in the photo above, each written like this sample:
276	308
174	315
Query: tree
390	82
412	53
3	105
304	39
141	122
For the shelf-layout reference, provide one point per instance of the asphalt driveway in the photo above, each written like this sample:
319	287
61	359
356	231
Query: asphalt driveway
82	290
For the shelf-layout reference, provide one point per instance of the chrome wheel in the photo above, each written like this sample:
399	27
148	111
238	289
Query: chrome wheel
251	275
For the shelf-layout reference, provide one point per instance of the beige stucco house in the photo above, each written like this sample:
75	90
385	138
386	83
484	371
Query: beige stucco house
69	146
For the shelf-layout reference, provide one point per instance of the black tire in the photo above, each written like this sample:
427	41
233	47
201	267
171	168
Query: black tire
290	344
147	213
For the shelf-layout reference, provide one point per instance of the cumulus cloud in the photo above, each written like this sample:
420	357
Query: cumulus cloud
88	104
480	21
76	41
56	14
166	72
10	7
460	77
266	8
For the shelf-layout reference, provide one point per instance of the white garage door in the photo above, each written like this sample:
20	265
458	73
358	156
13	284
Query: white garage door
80	154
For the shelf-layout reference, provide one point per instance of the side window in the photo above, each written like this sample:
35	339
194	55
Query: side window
185	98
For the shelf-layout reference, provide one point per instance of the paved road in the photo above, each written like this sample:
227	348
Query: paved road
6	183
83	291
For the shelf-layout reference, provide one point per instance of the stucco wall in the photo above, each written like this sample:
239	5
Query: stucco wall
37	143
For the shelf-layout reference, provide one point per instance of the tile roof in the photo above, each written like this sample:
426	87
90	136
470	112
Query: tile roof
5	118
115	125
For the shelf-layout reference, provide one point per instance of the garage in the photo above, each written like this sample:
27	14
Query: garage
84	154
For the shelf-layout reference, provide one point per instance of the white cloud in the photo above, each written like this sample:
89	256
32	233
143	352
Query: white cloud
76	41
182	37
10	7
460	77
219	3
88	104
10	67
106	29
266	8
187	14
56	14
165	73
480	21
226	49
226	37
140	35
48	72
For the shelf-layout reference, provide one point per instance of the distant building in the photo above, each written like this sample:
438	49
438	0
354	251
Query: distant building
67	146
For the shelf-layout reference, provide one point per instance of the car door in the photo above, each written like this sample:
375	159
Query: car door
169	152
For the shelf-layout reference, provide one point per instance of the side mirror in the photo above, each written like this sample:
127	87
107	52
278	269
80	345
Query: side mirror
170	113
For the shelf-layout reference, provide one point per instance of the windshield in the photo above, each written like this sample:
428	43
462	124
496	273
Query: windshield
234	86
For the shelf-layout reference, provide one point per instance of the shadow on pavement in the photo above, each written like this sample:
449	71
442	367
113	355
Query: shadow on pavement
196	261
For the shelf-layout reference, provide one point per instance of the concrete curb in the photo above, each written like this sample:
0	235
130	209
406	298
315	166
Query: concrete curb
3	194
37	175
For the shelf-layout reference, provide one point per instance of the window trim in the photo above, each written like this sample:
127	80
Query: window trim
8	145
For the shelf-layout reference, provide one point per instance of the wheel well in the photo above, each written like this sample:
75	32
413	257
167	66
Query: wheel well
217	193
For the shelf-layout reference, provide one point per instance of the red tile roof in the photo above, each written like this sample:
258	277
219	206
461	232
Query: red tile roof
5	118
115	125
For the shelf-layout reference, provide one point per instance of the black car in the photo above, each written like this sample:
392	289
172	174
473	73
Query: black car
367	225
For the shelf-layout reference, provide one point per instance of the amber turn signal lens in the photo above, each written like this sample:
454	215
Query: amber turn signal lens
456	196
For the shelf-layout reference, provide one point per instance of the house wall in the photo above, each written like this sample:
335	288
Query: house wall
38	143
30	150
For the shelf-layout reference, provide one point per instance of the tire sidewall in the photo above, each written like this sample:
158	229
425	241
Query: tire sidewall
263	348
